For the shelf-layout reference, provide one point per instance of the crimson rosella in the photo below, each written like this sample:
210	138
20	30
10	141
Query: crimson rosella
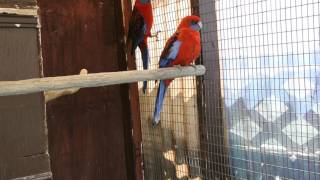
182	48
141	22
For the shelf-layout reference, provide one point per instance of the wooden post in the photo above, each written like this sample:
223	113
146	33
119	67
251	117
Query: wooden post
134	98
94	139
213	128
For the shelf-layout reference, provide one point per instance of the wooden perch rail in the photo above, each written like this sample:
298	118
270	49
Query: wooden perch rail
8	88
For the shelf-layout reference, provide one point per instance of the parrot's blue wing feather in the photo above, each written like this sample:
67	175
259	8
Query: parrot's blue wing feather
137	29
170	52
174	50
138	38
137	33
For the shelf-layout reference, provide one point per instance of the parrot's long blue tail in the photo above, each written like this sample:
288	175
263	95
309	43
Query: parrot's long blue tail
159	102
145	61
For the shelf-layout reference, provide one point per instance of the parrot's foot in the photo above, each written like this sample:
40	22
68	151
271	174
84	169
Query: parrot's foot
178	66
194	66
156	35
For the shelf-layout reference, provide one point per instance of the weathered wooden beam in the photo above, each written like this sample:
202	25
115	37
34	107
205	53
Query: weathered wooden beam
213	128
29	4
134	98
15	11
51	95
18	7
8	88
43	176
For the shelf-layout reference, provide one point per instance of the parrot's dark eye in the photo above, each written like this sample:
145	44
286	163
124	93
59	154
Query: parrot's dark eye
193	22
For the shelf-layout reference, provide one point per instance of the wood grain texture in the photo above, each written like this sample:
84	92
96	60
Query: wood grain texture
134	97
24	4
213	125
42	176
94	80
23	139
94	124
28	12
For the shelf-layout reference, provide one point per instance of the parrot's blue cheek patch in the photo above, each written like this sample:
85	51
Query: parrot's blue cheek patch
145	1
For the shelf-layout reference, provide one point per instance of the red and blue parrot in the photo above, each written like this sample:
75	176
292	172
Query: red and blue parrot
141	22
182	48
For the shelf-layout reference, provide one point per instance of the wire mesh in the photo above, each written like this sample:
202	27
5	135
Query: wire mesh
269	56
172	149
256	113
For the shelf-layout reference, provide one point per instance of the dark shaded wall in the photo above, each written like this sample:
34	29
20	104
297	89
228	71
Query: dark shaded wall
89	134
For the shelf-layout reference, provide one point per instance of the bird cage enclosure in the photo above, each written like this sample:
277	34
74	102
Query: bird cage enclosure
255	114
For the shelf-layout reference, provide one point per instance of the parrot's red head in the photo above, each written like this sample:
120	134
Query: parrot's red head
193	22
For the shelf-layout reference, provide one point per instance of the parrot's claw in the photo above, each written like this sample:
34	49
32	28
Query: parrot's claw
194	66
179	67
156	35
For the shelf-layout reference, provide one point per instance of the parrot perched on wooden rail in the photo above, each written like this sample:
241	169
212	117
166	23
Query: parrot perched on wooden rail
141	22
182	48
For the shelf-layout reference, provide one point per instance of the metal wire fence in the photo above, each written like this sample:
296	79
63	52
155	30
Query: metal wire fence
256	113
170	149
270	65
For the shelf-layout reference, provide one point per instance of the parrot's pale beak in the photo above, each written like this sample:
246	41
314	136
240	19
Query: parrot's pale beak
200	24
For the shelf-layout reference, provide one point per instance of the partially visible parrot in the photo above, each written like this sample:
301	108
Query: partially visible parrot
182	48
141	22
